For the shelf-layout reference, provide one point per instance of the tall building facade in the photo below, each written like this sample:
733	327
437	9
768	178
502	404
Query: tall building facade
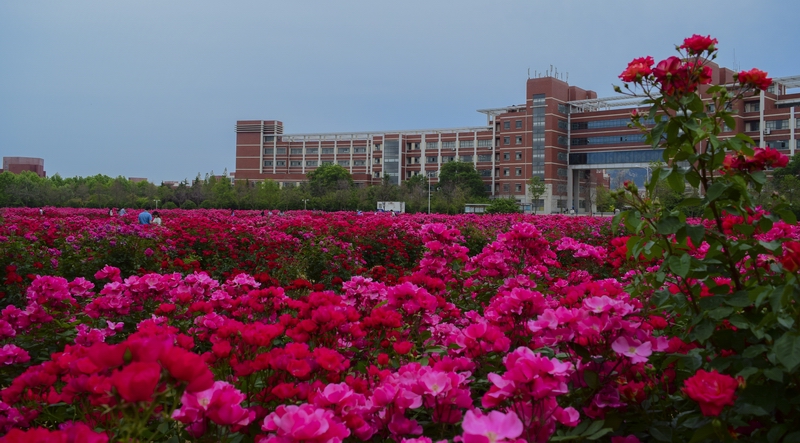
563	134
19	164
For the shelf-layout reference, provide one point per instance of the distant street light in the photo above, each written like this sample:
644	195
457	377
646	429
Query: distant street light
305	202
156	200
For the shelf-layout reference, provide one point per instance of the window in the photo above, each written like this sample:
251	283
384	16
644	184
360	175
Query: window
344	162
506	140
602	124
538	99
376	161
562	172
267	162
518	187
431	159
752	107
506	156
506	172
448	145
563	109
312	150
753	126
450	158
518	172
311	163
562	156
596	158
359	162
633	138
377	175
326	162
485	158
562	124
431	145
485	172
778	144
506	187
777	124
518	124
484	143
506	125
359	150
295	163
518	155
377	146
344	150
327	150
268	151
280	163
562	140
466	158
281	150
297	151
466	143
519	140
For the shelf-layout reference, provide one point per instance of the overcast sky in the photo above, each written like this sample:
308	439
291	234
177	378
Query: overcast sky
154	88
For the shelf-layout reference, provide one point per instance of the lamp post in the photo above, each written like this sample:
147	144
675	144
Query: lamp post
305	202
156	200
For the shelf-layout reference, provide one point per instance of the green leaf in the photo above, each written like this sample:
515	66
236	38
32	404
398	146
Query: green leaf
591	379
599	434
716	190
679	265
668	225
696	233
703	331
720	313
702	433
676	181
787	350
739	299
594	427
753	351
661	433
774	374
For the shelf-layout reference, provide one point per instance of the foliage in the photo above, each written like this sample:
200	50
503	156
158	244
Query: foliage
461	175
328	177
727	280
503	206
536	188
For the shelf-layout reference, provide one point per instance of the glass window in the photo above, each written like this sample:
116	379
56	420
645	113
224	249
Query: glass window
485	172
518	155
518	187
344	162
281	150
506	140
611	139
506	187
466	143
431	159
777	124
295	163
753	126
506	172
485	158
432	145
518	124
484	143
752	107
538	99
518	140
377	146
312	150
297	151
267	162
518	172
448	145
359	150
311	163
344	150
268	151
359	162
466	158
280	163
506	124
506	156
327	150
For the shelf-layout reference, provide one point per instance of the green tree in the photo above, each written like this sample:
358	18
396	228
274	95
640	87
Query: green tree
328	178
503	206
536	188
462	175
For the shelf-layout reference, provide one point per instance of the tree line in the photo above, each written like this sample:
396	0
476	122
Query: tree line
329	188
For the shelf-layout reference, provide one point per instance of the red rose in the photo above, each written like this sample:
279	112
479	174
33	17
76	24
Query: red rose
638	68
791	256
711	390
698	44
755	78
137	381
402	347
383	359
189	367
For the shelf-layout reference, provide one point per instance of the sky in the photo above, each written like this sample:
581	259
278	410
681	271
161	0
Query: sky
154	88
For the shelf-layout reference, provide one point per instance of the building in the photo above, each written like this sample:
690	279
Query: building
19	164
561	133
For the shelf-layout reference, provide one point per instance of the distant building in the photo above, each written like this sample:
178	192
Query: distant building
561	133
19	164
137	179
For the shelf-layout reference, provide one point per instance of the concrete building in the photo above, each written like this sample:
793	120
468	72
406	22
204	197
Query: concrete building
19	164
562	133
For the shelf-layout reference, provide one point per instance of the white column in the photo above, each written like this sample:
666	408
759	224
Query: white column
792	126
761	142
303	164
261	149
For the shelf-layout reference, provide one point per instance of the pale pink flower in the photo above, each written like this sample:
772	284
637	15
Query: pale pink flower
638	352
491	428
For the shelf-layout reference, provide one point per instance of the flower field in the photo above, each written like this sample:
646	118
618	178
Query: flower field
332	327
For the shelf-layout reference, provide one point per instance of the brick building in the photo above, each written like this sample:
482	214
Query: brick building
19	164
562	133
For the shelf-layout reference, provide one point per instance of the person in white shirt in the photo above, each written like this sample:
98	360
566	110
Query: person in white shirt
156	218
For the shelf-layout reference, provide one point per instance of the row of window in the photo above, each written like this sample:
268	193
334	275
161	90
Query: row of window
608	139
517	140
313	163
772	124
299	151
517	124
602	124
596	158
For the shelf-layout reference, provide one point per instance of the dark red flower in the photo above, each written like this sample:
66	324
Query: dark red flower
697	44
137	381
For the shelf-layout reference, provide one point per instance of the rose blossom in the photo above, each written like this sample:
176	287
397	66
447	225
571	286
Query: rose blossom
712	390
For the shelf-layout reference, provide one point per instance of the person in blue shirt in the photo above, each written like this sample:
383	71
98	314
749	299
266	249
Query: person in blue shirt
145	218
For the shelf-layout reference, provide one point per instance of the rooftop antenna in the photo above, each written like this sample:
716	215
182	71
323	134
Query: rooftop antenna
529	73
